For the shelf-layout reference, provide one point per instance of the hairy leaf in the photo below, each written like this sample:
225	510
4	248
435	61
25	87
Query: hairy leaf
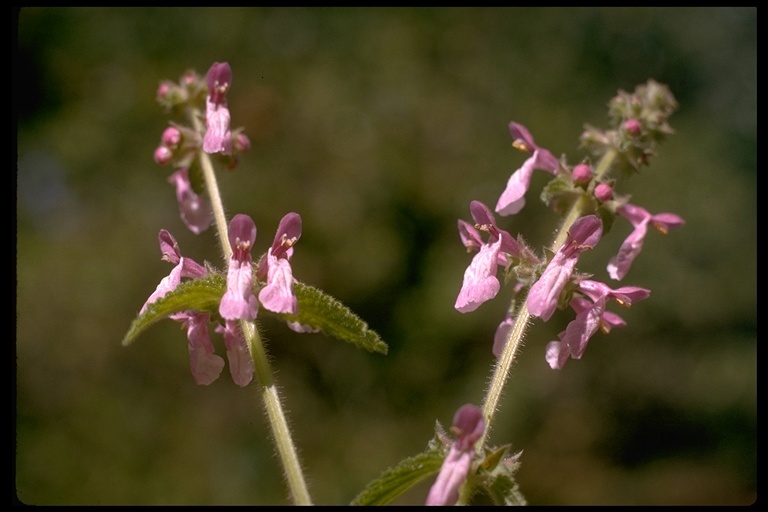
321	311
504	490
396	480
202	294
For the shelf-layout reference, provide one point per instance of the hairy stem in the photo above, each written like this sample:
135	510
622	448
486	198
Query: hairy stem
212	186
502	369
278	422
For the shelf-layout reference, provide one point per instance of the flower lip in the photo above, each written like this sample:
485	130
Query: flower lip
288	233
469	424
586	232
219	79
242	235
485	221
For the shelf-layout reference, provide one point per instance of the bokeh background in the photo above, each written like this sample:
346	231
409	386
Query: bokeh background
379	126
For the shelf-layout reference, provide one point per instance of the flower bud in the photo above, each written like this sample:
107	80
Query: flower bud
163	89
632	126
163	155
171	136
242	143
582	173
189	78
603	192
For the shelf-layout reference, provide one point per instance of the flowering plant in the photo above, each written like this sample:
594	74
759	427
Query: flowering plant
233	298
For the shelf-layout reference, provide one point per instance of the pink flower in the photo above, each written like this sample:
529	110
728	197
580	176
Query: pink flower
205	365
218	138
194	210
480	282
468	425
184	267
512	199
240	361
501	335
619	265
218	79
591	315
544	295
277	295
239	302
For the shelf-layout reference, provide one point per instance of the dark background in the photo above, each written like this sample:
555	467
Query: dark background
379	126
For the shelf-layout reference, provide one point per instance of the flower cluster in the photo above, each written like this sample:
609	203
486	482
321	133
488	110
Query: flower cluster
639	122
180	145
239	301
553	282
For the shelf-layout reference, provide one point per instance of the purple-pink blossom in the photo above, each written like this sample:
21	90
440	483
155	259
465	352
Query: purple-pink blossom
277	295
239	302
480	283
512	199
502	334
239	357
468	426
183	267
591	315
544	295
205	365
218	137
194	210
619	265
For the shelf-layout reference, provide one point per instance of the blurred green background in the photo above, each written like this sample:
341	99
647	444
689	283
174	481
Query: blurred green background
379	126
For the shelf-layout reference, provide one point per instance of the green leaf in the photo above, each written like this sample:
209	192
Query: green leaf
396	480
316	309
321	311
497	477
505	491
202	294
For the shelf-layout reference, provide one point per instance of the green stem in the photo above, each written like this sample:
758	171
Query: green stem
280	431
604	165
272	403
212	186
503	367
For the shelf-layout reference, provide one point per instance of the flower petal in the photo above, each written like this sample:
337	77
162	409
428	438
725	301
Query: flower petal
480	282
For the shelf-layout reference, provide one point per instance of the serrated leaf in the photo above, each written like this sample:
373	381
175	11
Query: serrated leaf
202	294
504	490
497	478
321	311
398	479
